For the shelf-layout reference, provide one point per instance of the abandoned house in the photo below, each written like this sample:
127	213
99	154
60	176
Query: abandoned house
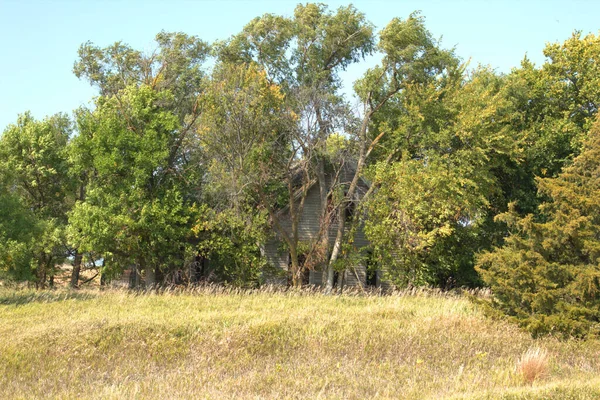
308	228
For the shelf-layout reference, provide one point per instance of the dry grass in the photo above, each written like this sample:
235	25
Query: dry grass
533	364
219	344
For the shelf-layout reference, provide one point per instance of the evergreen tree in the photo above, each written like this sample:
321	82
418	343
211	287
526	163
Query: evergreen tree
547	275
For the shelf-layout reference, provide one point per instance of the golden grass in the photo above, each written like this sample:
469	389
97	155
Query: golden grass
533	364
219	344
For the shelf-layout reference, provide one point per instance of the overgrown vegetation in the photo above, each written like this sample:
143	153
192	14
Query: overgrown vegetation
547	275
191	153
216	343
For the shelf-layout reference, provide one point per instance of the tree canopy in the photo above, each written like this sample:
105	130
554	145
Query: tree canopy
196	151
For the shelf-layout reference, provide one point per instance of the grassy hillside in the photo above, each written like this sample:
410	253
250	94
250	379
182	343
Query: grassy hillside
271	345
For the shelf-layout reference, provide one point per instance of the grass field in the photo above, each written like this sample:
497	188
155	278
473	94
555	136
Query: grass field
212	344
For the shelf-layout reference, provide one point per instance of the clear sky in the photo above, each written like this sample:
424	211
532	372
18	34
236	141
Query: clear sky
39	39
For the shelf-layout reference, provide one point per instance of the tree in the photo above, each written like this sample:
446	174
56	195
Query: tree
437	191
244	133
303	56
136	203
149	103
34	170
230	240
174	67
556	104
547	275
412	58
18	234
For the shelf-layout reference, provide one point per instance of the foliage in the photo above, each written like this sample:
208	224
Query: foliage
176	66
449	137
547	276
244	134
135	206
232	244
34	160
555	105
36	194
18	232
176	161
303	55
563	106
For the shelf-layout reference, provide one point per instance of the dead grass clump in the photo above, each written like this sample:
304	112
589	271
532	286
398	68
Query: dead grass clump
533	364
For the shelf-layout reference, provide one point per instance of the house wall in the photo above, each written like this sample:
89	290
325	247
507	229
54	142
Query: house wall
308	228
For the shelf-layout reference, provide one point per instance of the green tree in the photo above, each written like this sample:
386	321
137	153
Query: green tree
547	275
34	171
556	104
303	55
230	240
144	97
174	67
244	133
18	234
439	186
136	210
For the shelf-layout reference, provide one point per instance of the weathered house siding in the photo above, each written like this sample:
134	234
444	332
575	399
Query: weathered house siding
308	228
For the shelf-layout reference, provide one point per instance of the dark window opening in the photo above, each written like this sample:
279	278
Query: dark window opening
371	270
371	278
304	273
350	210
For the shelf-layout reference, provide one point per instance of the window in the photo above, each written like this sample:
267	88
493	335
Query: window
350	209
371	270
305	273
371	278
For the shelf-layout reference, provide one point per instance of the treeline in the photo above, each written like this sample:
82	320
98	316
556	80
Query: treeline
192	150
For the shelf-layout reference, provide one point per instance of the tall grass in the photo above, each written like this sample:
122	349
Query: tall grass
533	364
225	343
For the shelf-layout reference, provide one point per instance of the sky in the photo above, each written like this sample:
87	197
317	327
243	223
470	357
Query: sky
39	39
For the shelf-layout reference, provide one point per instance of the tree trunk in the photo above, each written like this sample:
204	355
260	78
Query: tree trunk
339	237
150	280
76	269
295	267
337	245
134	278
366	147
323	192
102	274
41	277
51	268
340	281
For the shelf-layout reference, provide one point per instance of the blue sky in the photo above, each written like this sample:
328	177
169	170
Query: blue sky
39	39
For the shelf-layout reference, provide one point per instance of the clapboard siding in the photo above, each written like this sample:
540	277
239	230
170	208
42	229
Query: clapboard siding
308	229
316	278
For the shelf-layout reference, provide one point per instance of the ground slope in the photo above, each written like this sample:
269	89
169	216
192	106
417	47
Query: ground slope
271	345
